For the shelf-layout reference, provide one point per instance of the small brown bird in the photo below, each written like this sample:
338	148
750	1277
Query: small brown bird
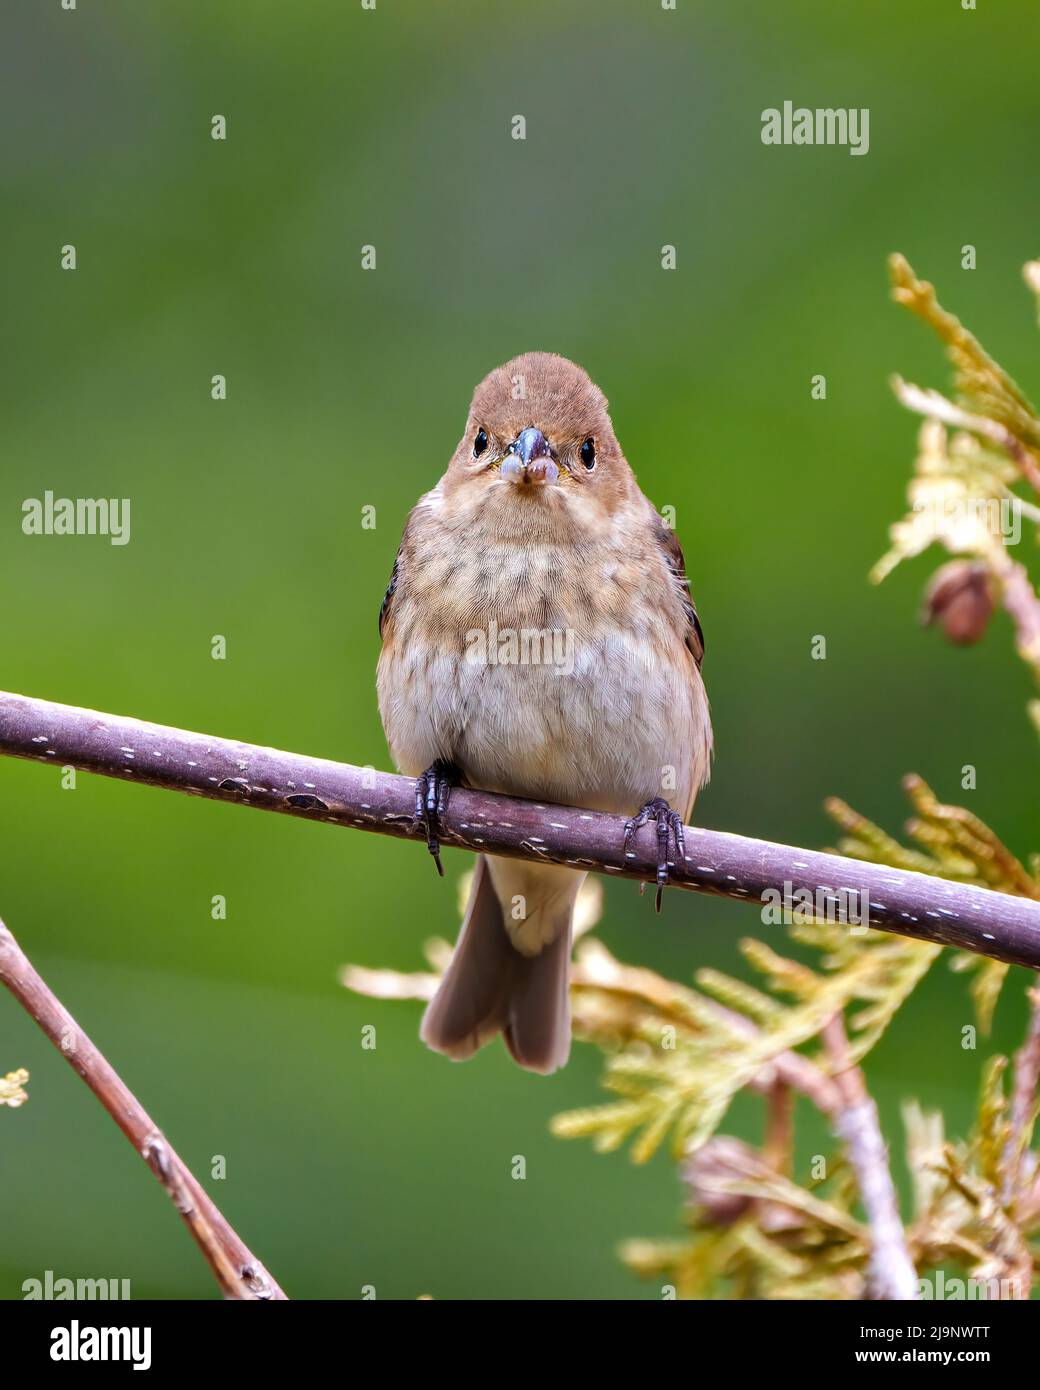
539	639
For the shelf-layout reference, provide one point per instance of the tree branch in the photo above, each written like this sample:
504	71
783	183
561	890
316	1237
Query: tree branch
911	904
238	1272
891	1274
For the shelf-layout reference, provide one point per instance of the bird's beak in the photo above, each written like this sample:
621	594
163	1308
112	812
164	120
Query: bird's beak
530	459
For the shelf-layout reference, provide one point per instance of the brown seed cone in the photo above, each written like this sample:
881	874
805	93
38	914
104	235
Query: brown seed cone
959	597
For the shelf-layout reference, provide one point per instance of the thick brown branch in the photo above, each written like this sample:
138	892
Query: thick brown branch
238	1272
911	904
891	1273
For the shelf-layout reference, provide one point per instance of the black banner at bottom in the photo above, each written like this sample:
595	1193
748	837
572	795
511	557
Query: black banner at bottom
149	1338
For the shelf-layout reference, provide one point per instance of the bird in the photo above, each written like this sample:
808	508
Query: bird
540	640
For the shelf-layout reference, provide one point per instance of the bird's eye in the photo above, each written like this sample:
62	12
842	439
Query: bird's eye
588	454
480	443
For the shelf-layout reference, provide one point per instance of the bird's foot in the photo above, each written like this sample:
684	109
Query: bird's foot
669	825
432	790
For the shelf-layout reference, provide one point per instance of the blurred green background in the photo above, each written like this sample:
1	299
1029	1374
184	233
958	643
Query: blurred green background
347	389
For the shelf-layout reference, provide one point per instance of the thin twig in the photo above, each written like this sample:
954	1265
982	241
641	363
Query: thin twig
238	1272
1016	588
891	1273
787	1070
1022	605
1023	1102
779	1135
911	904
935	406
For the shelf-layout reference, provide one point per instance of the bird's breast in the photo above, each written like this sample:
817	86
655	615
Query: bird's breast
550	672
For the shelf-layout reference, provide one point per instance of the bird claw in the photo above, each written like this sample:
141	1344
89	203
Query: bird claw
669	825
432	789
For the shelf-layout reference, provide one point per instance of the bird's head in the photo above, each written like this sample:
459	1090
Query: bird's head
539	444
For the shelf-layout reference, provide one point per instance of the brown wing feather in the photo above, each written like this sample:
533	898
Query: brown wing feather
669	543
384	610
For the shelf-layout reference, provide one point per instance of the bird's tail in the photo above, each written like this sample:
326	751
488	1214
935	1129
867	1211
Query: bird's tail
491	988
